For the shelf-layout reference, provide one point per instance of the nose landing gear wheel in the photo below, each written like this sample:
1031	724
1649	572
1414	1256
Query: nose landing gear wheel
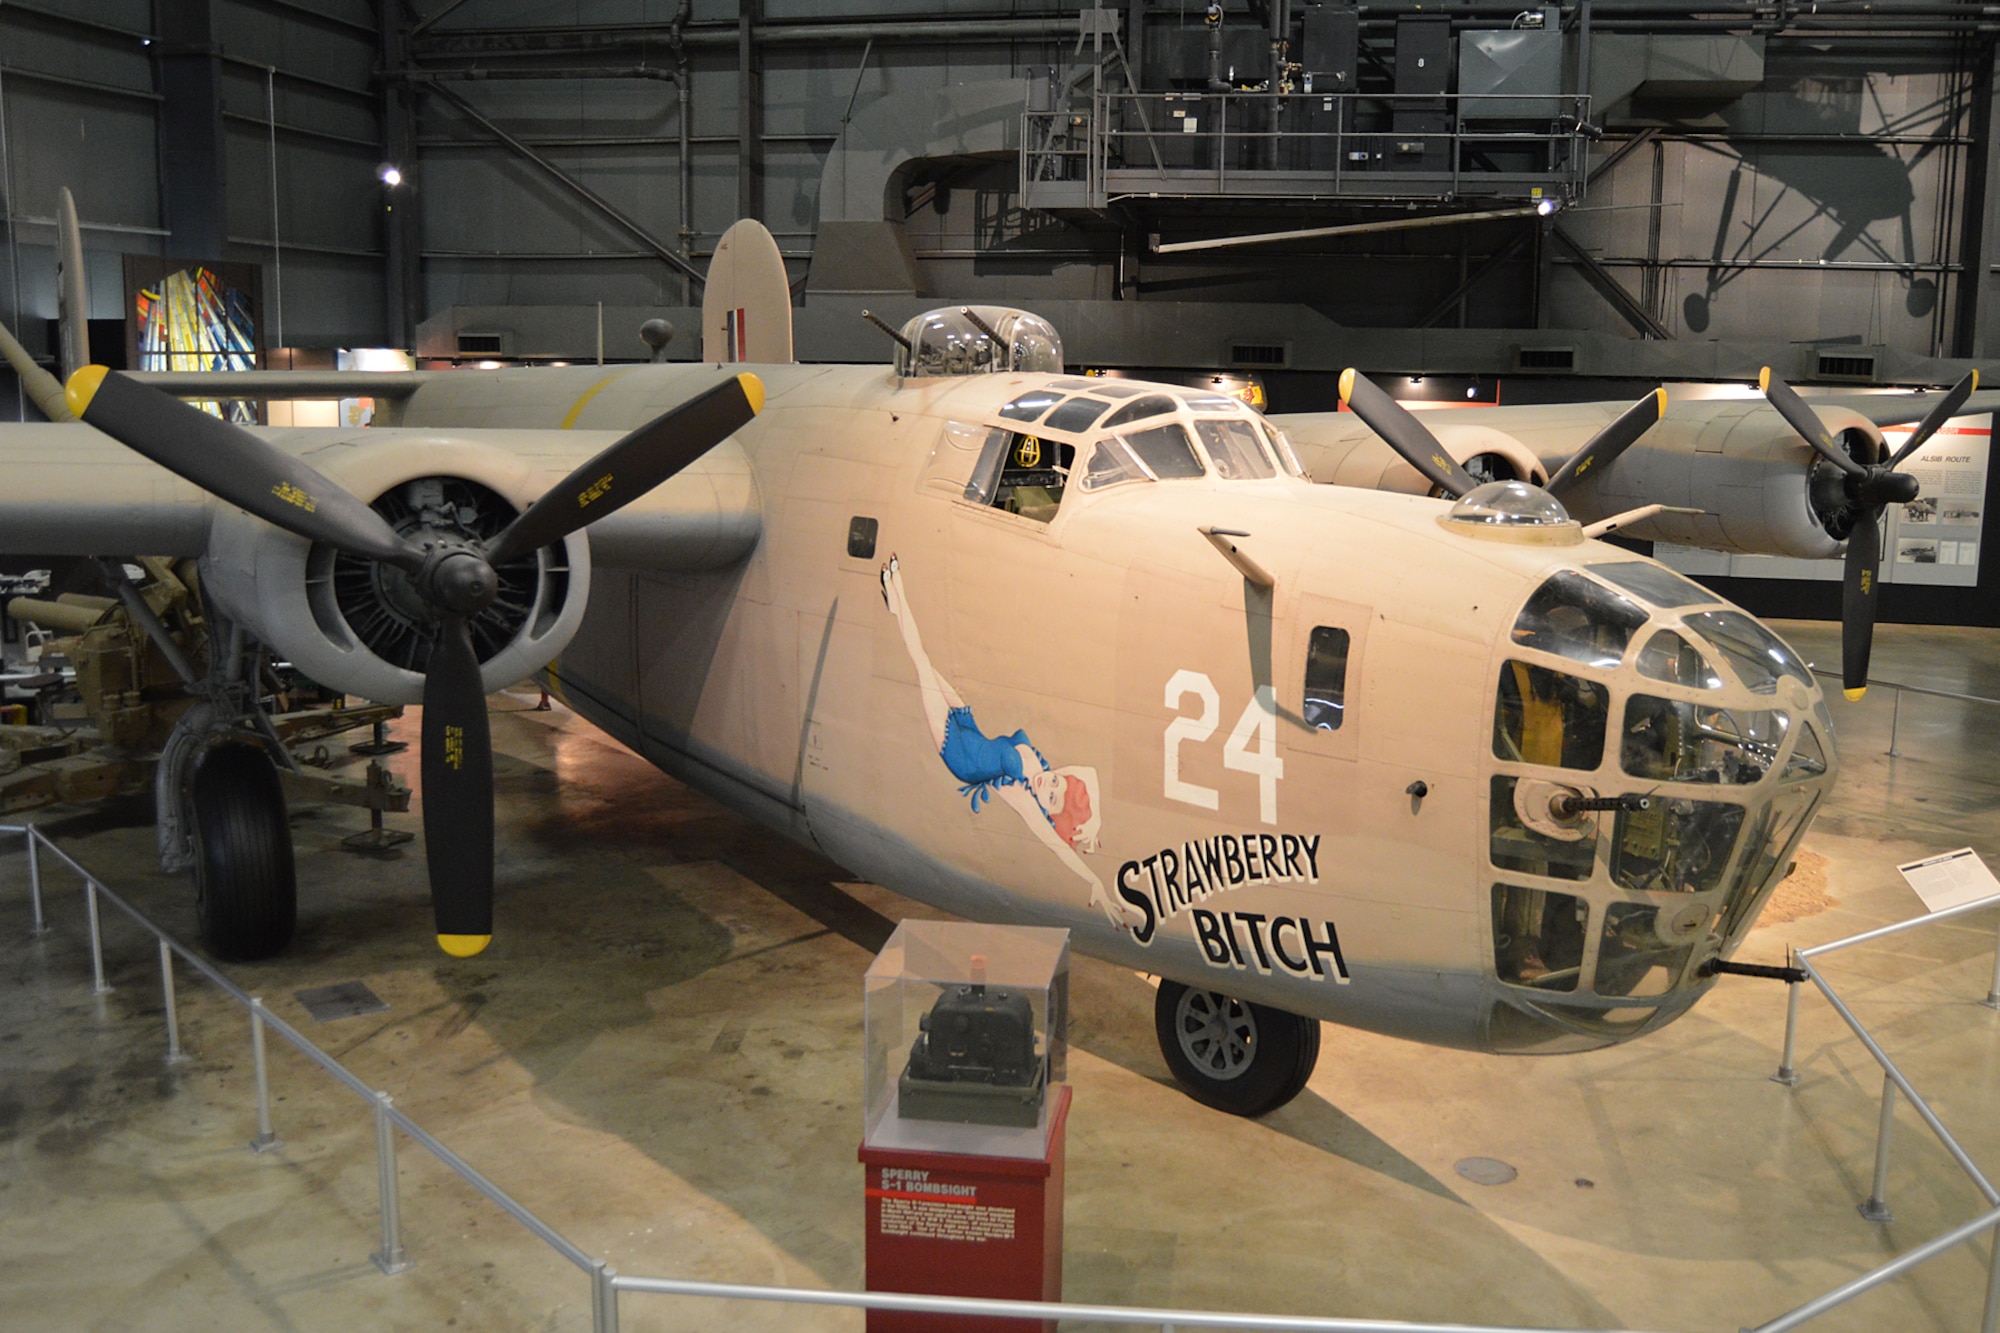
1238	1057
246	888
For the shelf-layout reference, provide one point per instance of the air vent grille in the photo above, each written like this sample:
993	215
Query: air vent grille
1547	358
1846	367
485	344
1260	354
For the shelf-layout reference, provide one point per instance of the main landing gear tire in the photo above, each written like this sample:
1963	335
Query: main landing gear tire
1246	1059
245	885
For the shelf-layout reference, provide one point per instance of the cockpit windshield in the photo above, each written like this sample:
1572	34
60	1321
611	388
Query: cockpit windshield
1656	583
1758	656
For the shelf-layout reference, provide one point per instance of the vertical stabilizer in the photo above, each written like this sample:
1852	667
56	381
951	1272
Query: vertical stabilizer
72	296
746	304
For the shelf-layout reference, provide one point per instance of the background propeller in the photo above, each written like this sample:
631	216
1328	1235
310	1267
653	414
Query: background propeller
1409	437
1864	490
451	574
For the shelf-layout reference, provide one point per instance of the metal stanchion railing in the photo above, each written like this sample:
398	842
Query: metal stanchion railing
97	986
391	1257
1876	1207
174	1056
1874	1278
265	1140
41	927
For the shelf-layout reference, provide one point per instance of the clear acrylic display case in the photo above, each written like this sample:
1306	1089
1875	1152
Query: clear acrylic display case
965	1038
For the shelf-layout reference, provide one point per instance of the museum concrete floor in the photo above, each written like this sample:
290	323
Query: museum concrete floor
660	1056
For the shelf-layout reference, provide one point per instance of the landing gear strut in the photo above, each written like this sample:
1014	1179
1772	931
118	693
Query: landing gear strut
1236	1056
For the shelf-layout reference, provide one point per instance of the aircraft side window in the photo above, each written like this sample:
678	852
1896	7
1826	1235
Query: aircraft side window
1528	841
1538	937
1672	740
1235	450
1153	405
1165	451
1572	617
1549	717
1670	658
1674	845
1325	706
1768	848
1032	481
1808	759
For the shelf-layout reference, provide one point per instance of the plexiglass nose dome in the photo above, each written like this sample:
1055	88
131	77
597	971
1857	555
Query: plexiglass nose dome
1514	510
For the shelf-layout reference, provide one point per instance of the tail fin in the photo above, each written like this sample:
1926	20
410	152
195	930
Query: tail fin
72	295
746	305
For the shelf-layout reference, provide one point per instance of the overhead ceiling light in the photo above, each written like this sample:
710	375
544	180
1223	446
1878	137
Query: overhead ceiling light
1547	206
391	177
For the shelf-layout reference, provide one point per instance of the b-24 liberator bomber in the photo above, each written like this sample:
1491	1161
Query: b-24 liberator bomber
1026	646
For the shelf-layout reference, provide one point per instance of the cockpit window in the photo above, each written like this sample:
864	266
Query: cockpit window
1030	405
1325	700
1152	405
1078	414
1235	449
1758	655
1165	451
1281	445
1670	658
1549	718
1671	740
1111	464
1213	402
1538	937
1656	583
1030	477
1573	617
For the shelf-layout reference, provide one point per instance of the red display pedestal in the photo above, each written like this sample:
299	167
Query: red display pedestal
954	1224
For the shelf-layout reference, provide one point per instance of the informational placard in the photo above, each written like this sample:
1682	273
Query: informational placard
1950	880
1934	540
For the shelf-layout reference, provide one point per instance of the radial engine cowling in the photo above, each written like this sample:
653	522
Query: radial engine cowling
357	626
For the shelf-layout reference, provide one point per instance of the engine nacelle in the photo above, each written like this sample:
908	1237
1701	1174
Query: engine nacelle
356	626
1762	489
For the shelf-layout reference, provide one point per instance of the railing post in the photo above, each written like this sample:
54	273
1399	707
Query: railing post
603	1298
1989	1321
1786	1074
1895	722
97	986
174	1056
1876	1209
40	927
391	1258
265	1140
1992	1000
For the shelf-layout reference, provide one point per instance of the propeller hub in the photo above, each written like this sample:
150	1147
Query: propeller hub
458	581
1884	487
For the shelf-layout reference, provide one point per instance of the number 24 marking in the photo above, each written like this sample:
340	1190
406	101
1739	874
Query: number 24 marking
1258	725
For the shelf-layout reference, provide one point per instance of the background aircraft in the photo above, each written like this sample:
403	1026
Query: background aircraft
1028	647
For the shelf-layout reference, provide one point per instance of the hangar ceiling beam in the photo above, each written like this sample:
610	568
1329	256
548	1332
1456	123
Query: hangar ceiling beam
749	113
1473	279
1609	287
1979	241
542	40
402	216
192	148
568	182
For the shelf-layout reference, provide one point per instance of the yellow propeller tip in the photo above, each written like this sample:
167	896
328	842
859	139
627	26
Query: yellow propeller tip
1346	384
1854	696
83	387
463	946
1764	380
1975	381
753	389
1660	395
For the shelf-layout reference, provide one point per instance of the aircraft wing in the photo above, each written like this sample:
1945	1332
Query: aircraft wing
73	491
1890	410
258	386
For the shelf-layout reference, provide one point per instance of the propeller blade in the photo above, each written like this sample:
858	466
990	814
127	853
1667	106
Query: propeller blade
1605	446
458	793
632	466
1403	433
1806	422
232	464
1937	416
1857	602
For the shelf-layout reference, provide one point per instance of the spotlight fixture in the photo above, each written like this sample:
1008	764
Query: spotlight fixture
1546	207
390	176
